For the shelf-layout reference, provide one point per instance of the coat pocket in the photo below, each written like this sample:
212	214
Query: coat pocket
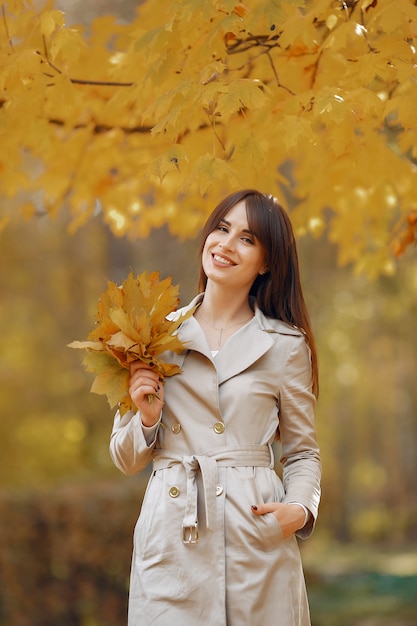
158	529
261	485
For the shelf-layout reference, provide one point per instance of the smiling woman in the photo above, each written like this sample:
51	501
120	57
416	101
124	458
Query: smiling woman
277	286
216	537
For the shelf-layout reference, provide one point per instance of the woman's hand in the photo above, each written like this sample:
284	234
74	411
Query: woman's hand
145	382
290	516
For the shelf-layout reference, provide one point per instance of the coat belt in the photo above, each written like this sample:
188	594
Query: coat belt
207	464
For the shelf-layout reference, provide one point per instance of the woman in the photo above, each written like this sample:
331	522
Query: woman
215	542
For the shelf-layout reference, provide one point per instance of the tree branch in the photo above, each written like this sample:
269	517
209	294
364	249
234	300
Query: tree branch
97	129
279	84
80	81
252	41
6	27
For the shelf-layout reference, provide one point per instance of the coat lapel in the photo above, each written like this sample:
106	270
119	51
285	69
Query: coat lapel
242	349
249	344
190	332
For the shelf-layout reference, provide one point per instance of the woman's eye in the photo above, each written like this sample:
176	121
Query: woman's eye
222	228
248	240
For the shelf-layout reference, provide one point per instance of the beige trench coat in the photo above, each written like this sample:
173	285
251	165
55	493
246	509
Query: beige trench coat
200	555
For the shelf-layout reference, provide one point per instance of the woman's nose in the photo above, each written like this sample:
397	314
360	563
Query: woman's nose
227	242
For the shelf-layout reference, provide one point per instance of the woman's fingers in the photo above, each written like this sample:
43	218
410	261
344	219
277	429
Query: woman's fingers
147	392
142	383
289	516
139	365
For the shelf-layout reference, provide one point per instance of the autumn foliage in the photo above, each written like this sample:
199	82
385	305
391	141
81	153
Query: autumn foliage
131	326
150	122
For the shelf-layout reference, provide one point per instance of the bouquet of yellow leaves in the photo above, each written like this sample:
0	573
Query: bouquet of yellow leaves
132	325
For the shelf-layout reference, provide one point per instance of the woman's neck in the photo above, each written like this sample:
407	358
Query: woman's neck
221	309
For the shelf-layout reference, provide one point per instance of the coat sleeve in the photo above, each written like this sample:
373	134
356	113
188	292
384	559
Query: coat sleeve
131	443
300	452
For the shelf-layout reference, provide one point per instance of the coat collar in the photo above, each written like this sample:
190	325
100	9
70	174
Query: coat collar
257	337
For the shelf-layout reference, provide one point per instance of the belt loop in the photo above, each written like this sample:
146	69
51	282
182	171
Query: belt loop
189	525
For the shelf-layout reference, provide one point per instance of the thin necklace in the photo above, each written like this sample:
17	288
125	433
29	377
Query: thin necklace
221	330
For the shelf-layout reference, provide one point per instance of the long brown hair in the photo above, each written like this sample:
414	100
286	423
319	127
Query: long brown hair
278	292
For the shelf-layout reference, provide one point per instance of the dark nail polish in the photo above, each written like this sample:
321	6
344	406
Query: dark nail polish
255	508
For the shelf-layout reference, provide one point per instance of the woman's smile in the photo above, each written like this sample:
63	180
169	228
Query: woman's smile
217	258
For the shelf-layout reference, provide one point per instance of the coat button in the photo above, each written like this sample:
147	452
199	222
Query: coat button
219	490
174	492
176	428
218	428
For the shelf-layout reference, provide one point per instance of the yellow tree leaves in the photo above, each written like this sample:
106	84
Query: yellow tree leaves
131	326
151	122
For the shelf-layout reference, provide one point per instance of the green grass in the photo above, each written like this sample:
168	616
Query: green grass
359	585
364	599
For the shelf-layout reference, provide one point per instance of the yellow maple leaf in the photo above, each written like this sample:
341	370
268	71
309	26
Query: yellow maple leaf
242	93
111	379
132	325
209	170
50	20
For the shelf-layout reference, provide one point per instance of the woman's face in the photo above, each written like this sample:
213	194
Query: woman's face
232	255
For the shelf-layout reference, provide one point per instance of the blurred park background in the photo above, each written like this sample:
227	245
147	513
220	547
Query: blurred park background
67	515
